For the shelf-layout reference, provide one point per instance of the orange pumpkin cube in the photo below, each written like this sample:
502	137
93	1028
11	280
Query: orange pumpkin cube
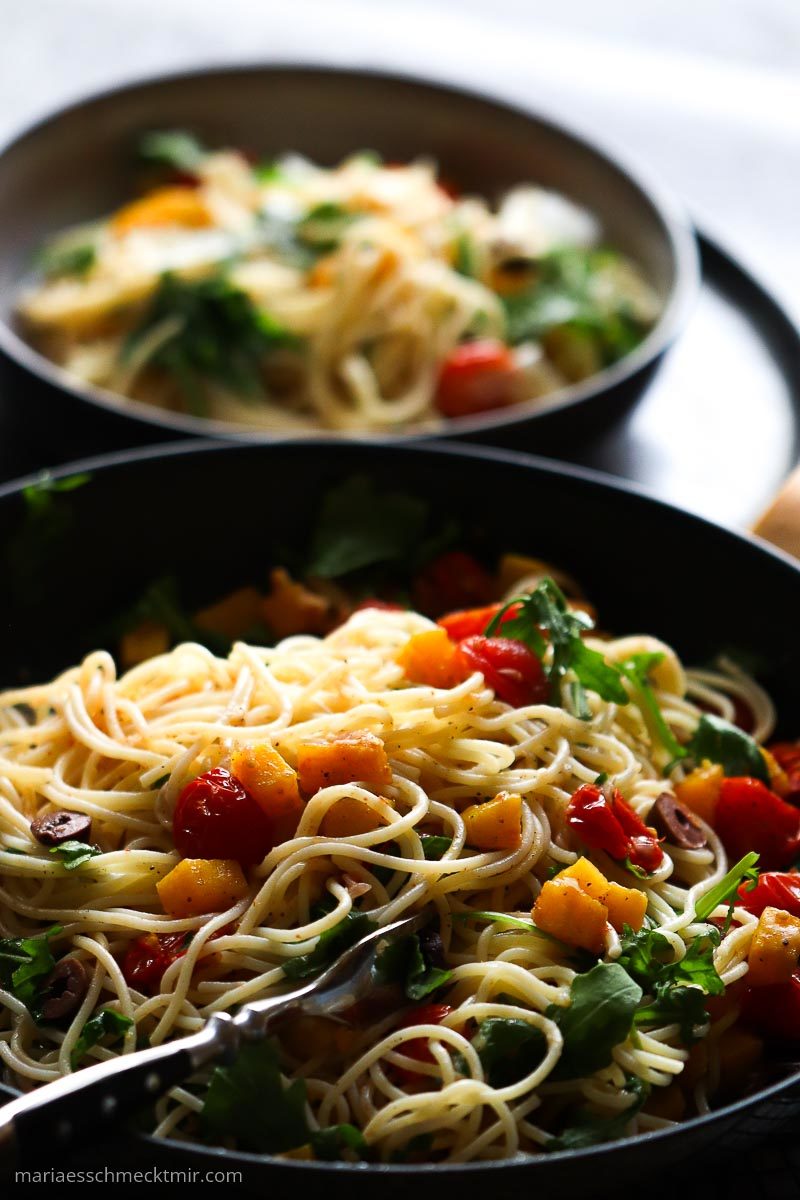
563	909
348	758
432	659
202	885
589	878
350	816
272	783
163	206
292	608
495	824
626	906
699	791
775	948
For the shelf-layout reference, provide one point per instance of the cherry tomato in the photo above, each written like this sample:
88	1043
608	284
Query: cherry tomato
748	816
147	958
216	817
477	376
453	580
773	890
419	1048
510	668
603	820
470	622
774	1010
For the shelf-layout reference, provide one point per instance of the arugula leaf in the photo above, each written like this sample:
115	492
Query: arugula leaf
679	987
67	254
465	258
404	962
731	747
509	1049
248	1100
598	1018
106	1021
24	965
637	669
504	919
330	945
361	527
547	608
172	148
578	290
329	1143
590	1129
416	1150
435	846
74	854
322	226
726	891
220	335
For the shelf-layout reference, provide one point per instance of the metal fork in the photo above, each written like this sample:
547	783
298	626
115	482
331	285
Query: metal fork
64	1112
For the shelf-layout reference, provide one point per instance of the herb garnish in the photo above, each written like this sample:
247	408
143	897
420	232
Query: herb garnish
720	742
509	1049
248	1100
678	987
360	527
172	148
74	854
24	965
404	962
600	1015
219	335
435	846
589	1129
726	891
106	1021
330	945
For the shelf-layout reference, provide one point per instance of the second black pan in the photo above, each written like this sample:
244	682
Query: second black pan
201	509
79	163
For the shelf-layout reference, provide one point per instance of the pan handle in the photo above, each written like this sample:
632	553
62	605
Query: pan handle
780	523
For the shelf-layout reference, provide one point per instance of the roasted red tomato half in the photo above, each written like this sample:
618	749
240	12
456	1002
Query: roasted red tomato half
509	667
216	817
453	580
476	377
748	816
419	1048
147	958
603	821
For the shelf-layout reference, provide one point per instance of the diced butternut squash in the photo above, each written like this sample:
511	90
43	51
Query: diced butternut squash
202	885
669	1103
432	659
350	816
588	877
496	824
775	948
700	790
272	783
740	1052
232	616
348	758
292	608
626	906
565	911
164	206
145	641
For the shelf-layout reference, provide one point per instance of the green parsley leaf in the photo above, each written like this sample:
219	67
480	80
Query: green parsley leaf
723	743
24	965
403	962
435	846
219	335
509	1049
590	1129
74	854
726	891
361	527
172	148
106	1021
328	1144
70	253
249	1101
330	945
600	1015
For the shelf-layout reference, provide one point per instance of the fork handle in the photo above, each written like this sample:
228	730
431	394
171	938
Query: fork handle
83	1105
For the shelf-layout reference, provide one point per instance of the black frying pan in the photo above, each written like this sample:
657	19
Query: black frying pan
197	510
79	163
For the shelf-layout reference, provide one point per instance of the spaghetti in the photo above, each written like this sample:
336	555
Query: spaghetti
122	749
